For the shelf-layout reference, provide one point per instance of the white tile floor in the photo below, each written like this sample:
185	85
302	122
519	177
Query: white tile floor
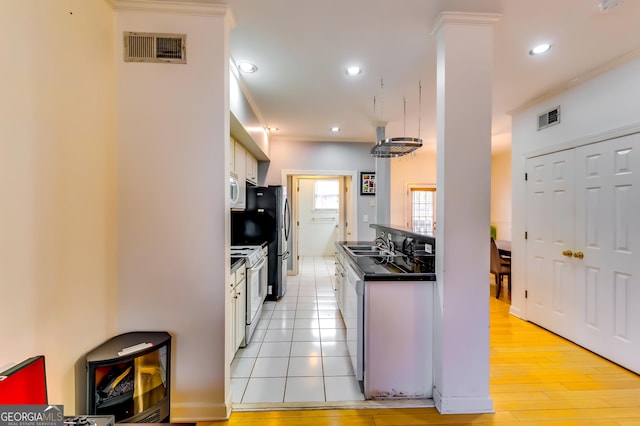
298	351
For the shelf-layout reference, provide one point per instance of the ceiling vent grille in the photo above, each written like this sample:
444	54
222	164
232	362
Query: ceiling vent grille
155	47
549	118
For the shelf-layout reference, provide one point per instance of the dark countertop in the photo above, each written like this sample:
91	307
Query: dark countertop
375	268
236	262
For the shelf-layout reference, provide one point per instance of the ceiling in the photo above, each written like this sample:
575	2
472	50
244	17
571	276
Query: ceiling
303	47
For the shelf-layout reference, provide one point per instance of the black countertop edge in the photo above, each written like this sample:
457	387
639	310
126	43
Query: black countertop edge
361	265
236	263
405	230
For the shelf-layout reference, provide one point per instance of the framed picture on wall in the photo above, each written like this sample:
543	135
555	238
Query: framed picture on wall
367	183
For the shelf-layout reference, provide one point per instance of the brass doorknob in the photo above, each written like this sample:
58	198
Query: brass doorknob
567	253
578	254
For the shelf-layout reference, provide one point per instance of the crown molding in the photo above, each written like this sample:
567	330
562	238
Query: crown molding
464	19
200	8
589	75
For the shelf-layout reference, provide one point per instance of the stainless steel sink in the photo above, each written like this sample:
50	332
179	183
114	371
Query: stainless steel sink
368	250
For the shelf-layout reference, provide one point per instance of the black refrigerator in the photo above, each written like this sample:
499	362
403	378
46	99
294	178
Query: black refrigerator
266	218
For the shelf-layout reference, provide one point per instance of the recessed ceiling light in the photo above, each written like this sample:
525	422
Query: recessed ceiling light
540	49
353	71
247	67
335	129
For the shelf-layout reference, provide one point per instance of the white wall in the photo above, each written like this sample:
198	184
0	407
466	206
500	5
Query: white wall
418	167
173	209
601	105
57	178
326	156
501	193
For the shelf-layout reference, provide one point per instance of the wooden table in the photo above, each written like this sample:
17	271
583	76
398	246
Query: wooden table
504	248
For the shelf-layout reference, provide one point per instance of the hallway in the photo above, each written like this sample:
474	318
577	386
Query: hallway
298	352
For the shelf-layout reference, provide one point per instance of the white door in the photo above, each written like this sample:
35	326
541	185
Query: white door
550	212
607	242
317	224
345	227
583	232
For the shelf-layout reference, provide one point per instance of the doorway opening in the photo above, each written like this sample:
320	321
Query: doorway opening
320	214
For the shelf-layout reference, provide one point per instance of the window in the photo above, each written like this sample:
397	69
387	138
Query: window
422	208
326	194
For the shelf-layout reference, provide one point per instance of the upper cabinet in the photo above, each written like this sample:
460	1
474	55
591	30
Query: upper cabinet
238	169
252	168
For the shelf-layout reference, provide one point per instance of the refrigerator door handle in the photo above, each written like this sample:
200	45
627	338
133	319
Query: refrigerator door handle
287	219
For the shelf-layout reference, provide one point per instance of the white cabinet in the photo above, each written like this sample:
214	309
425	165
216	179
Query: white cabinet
240	299
398	332
252	168
239	170
338	282
232	156
236	312
582	246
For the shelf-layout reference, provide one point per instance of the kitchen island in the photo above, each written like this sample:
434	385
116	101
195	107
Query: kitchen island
386	300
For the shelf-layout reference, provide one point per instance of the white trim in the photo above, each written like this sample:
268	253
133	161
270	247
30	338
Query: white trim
353	189
408	204
586	140
187	412
589	75
462	405
181	7
464	19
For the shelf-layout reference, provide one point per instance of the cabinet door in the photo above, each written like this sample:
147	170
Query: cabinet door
232	155
240	168
252	168
550	212
240	313
231	319
607	234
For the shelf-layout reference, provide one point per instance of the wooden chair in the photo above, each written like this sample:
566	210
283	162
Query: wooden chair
500	268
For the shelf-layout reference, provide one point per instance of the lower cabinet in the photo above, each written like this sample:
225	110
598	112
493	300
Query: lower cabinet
236	311
389	333
338	282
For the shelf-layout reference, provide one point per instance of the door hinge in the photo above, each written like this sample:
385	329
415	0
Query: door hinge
526	235
526	176
526	294
298	189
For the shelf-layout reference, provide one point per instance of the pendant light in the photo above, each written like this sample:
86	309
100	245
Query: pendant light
399	146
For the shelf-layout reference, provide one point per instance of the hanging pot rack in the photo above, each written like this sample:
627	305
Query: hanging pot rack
399	146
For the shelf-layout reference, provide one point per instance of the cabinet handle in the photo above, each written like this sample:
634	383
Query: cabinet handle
578	254
567	253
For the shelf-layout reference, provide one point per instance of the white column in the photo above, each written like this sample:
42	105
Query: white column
464	85
383	184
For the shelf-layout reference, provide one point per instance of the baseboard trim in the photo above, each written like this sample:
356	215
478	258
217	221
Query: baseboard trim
188	412
462	404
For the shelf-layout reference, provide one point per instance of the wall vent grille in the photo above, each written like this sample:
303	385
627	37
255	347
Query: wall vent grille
155	47
549	118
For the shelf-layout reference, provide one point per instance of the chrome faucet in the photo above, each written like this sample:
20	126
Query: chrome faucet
385	243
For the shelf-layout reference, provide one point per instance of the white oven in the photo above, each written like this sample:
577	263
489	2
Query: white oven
257	277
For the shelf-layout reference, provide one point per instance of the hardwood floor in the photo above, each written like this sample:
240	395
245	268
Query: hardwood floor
537	378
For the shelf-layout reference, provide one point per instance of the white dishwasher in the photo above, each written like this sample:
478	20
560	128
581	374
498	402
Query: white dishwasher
354	321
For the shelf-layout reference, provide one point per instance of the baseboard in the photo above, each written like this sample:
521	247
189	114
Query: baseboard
199	412
462	404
